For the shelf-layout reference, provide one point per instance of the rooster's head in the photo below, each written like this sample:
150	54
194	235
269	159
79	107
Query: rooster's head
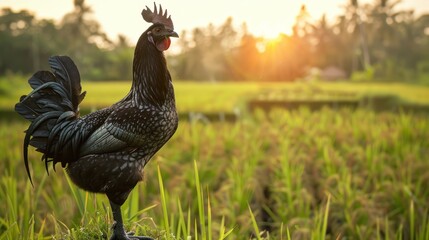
162	28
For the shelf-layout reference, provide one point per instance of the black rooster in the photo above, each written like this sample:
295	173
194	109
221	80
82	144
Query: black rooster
105	151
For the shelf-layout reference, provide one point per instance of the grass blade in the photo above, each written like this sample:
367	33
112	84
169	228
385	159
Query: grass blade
163	203
254	223
200	200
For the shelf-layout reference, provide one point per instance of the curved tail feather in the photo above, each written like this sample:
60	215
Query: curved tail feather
51	107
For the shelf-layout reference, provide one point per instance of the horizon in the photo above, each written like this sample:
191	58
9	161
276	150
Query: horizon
274	18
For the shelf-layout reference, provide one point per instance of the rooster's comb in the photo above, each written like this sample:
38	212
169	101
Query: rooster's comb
157	17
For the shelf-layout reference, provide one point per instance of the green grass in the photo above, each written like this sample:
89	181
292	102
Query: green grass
329	174
230	96
286	175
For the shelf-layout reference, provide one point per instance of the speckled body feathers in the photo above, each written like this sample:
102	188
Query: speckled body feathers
104	151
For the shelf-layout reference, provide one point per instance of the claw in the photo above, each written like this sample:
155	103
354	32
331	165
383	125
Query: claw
130	235
140	237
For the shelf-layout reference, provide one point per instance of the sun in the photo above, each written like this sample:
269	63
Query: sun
270	30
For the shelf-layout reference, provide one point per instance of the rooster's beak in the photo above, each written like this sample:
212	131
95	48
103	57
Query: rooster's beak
171	33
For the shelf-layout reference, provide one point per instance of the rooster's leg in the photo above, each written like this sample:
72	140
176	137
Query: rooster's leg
118	226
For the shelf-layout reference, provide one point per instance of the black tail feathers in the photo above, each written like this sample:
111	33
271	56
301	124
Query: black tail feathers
51	106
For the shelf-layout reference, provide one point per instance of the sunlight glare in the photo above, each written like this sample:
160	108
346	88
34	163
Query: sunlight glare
271	30
269	43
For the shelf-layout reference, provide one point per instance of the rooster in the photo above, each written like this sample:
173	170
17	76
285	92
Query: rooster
106	150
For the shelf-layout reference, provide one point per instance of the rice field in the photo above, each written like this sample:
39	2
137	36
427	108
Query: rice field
329	174
228	96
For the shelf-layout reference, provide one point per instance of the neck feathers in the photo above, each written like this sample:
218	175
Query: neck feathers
151	78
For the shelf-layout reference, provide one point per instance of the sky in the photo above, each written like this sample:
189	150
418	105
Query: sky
265	18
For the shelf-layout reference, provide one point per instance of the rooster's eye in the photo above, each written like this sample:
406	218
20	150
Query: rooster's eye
157	30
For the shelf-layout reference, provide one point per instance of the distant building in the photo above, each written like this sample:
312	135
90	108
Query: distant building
332	73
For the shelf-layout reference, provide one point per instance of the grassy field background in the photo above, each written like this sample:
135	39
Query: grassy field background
229	96
328	174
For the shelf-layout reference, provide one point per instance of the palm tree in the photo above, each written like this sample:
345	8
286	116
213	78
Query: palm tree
383	30
351	23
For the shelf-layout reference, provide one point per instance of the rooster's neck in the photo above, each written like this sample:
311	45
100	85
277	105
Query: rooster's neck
151	79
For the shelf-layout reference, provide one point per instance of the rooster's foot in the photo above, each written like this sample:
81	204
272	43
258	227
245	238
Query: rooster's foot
119	234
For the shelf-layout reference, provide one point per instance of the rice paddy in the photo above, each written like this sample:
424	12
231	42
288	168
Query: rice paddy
328	174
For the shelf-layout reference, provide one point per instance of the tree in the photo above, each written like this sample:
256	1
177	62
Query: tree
15	36
391	42
207	53
87	38
247	58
